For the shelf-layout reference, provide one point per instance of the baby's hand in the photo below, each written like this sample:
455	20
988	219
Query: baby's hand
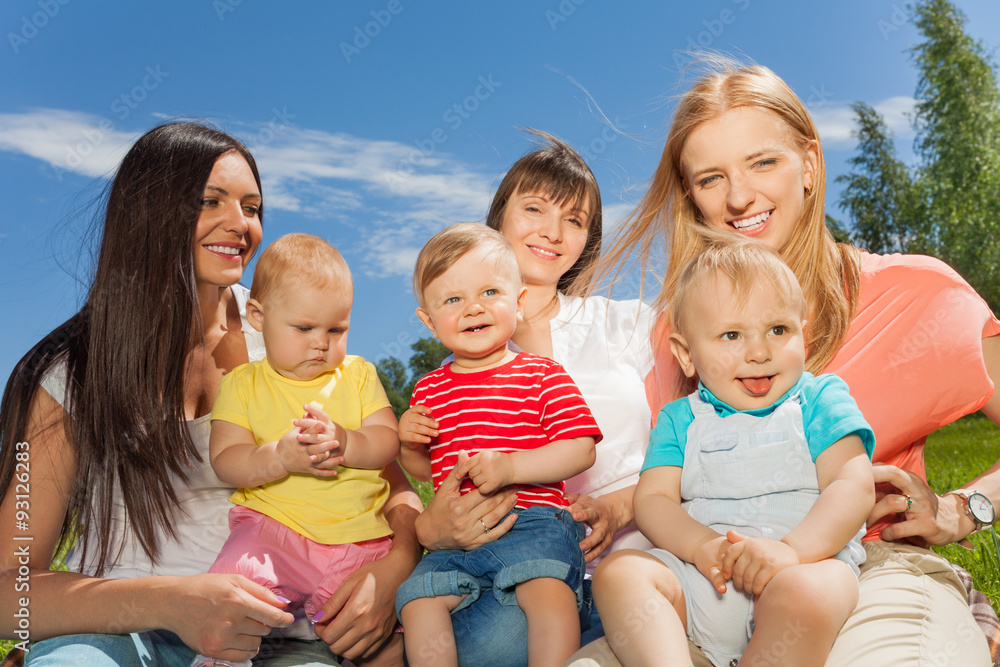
292	454
321	440
751	562
709	557
417	427
489	471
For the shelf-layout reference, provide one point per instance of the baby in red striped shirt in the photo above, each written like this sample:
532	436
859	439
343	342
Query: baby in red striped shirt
496	417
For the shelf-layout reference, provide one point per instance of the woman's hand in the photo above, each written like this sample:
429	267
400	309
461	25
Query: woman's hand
454	521
222	616
605	515
361	614
927	519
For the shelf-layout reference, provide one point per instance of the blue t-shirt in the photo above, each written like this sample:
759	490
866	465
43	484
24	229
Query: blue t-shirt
828	414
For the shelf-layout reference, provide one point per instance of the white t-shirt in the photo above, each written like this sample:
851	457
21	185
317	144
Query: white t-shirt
201	516
605	347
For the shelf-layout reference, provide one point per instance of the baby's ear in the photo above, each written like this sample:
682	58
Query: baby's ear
255	314
425	317
679	348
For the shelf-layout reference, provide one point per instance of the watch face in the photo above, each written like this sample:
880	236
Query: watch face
981	508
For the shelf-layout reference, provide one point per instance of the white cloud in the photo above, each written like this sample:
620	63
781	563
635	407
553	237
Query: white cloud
897	112
69	141
835	123
391	193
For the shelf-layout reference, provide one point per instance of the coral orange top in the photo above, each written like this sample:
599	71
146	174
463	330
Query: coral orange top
913	356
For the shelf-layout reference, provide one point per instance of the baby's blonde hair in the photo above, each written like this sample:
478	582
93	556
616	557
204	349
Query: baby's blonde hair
451	244
744	263
300	259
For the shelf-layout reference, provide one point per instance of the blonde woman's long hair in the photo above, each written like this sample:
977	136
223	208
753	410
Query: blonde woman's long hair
829	272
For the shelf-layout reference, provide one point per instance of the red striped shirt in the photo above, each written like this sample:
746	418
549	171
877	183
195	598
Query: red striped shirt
522	405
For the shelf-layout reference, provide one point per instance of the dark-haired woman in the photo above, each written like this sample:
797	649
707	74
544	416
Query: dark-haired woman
105	421
548	206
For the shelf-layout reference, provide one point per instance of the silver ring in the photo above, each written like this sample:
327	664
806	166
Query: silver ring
485	529
909	501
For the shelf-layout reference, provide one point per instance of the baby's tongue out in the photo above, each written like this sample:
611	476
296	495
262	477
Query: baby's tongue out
757	386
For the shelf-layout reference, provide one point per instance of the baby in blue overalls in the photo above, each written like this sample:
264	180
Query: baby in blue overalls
760	478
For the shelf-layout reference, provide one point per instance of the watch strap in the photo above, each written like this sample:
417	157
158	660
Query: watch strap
966	494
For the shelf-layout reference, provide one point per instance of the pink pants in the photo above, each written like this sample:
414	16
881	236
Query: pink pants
273	555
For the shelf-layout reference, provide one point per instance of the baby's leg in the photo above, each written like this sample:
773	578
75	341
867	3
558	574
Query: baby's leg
799	614
641	603
427	631
553	620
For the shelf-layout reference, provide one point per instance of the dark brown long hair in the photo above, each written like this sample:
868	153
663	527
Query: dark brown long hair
125	350
557	171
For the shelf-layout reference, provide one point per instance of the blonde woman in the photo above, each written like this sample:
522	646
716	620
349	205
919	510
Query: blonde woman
915	344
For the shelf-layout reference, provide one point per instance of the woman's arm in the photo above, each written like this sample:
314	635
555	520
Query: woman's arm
223	615
933	519
361	614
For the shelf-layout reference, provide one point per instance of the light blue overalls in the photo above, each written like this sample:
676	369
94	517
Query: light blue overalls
752	474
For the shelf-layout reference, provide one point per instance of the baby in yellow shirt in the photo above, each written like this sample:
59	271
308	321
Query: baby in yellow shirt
304	434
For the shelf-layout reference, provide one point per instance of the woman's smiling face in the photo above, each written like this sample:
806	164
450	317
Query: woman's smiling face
548	237
745	173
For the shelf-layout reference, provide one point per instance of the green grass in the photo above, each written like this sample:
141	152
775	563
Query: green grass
424	489
954	454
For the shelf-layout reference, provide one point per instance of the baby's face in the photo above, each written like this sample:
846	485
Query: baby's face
305	329
474	307
749	356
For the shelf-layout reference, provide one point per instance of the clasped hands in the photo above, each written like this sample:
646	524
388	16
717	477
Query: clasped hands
315	446
750	562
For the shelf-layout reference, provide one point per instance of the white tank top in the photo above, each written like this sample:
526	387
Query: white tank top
201	517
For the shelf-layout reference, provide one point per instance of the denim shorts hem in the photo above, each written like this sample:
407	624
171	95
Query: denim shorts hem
436	584
503	585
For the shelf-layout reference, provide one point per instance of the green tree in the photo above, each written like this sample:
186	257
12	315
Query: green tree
836	228
947	204
428	353
879	191
392	373
957	119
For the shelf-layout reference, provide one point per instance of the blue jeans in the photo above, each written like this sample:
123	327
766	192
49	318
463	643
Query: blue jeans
490	634
160	648
545	542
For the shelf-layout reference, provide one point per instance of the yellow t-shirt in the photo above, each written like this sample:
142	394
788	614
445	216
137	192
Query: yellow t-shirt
339	510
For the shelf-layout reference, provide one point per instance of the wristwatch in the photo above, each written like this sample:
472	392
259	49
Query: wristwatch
977	506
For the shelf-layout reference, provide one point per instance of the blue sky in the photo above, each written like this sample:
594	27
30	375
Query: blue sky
377	123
